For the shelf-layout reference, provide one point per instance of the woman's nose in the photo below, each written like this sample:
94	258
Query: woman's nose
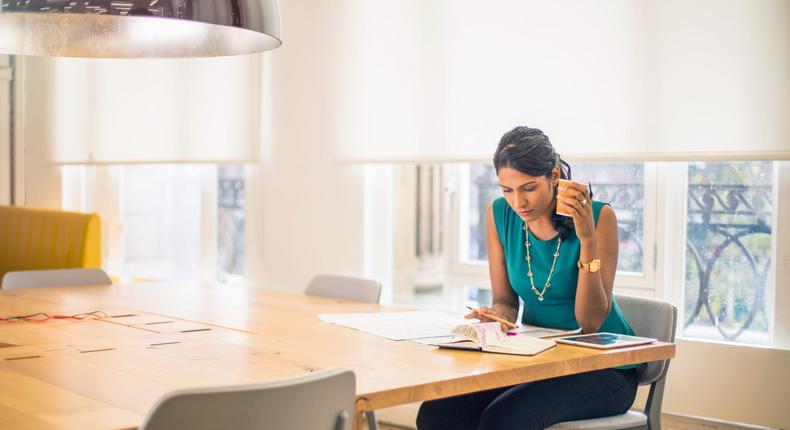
521	199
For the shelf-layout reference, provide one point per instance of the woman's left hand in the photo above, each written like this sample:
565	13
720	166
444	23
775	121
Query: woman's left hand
577	198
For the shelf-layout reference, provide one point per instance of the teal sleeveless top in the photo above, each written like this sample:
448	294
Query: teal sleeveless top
557	308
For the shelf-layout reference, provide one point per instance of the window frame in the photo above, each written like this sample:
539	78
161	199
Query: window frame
664	276
77	194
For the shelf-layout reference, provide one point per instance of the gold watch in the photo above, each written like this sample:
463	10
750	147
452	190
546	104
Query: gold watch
593	266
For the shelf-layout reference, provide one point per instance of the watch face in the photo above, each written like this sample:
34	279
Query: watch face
595	265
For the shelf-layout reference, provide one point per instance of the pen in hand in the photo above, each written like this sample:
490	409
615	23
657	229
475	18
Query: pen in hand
492	317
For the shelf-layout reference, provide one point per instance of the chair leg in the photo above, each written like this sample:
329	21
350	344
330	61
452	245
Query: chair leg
653	407
370	417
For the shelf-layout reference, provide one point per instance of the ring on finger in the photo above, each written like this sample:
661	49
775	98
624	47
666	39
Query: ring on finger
583	202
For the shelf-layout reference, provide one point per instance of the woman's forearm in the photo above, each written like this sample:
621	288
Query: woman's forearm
592	302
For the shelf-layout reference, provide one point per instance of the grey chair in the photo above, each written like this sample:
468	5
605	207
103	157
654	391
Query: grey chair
344	287
321	400
54	278
648	318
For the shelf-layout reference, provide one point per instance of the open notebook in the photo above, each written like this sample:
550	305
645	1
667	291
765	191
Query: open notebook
488	337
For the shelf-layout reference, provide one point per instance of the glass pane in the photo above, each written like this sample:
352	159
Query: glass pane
161	216
620	184
728	251
230	220
482	191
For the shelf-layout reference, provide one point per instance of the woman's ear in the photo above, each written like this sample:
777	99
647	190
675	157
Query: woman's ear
555	175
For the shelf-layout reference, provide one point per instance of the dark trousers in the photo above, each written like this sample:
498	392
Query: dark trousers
534	405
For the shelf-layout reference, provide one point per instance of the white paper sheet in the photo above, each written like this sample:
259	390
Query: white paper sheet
399	325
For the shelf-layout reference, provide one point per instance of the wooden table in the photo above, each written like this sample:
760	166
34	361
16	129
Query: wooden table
97	374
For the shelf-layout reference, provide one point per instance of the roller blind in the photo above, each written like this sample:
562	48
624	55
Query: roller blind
615	79
150	111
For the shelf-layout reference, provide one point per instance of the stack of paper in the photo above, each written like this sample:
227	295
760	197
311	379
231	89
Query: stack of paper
399	325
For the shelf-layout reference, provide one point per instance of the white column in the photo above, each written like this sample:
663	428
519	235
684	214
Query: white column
378	237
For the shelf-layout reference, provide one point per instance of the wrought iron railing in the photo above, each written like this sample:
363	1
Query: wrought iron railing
722	218
230	193
230	228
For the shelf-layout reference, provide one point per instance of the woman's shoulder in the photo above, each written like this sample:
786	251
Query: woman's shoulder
600	207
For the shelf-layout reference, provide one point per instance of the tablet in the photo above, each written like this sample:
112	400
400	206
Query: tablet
604	340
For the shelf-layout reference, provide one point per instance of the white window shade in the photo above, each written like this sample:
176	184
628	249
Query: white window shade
648	80
151	111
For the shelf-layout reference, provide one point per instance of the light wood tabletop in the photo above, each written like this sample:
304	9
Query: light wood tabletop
108	373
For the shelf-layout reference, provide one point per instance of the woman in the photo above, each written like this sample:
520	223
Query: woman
563	269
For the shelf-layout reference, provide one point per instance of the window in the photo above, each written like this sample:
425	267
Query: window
714	222
164	222
230	221
160	215
621	185
728	251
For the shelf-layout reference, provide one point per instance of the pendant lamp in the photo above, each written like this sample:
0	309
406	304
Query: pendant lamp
138	28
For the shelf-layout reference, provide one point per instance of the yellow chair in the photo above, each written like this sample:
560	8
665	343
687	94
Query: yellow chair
37	239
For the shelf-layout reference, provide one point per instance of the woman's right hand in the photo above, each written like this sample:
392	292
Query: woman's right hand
481	313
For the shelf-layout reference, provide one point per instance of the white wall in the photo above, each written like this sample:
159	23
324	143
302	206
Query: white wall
42	179
305	211
729	382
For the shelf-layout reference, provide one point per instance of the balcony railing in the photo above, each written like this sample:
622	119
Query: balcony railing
729	257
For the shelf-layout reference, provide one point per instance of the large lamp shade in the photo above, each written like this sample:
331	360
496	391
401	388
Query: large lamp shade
138	28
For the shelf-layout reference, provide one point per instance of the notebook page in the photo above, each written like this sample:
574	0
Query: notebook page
481	333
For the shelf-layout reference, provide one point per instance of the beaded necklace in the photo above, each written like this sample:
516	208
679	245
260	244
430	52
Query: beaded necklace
529	265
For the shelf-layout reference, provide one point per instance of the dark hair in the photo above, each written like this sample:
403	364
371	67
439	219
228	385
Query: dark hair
529	151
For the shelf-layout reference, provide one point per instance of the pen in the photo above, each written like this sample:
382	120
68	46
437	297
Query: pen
493	317
589	188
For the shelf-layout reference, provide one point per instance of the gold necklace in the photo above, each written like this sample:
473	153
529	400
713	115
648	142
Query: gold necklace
529	264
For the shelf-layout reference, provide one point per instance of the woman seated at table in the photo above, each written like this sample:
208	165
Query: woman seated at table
563	269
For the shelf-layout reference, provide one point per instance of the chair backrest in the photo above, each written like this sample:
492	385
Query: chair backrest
650	318
344	287
37	239
322	400
54	278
